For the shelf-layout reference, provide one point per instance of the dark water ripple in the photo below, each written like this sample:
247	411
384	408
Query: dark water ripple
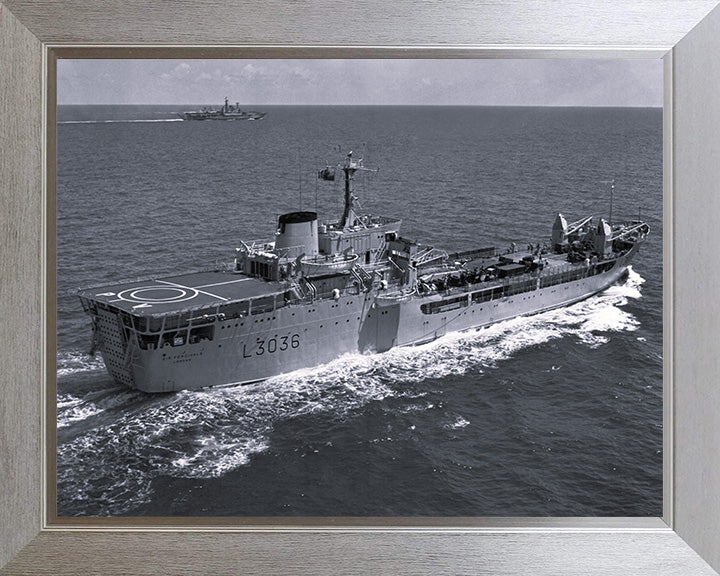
557	414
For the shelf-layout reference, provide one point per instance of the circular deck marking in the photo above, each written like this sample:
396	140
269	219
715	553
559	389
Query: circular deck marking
157	294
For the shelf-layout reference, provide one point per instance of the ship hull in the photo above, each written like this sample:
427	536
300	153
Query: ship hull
201	116
253	348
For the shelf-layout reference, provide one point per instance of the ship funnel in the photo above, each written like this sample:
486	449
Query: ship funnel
298	230
559	231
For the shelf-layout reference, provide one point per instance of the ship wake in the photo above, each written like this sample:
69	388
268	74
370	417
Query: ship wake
120	121
69	363
116	443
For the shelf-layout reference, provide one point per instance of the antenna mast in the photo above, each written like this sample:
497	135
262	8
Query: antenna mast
349	168
612	193
299	179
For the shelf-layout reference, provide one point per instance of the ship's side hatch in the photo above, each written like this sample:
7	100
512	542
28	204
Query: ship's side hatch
388	318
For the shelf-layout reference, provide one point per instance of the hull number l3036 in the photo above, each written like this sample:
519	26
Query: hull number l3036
272	345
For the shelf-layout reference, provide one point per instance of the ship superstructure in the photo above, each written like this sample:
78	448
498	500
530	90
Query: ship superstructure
320	290
225	112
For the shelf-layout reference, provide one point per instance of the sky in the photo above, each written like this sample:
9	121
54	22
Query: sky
510	82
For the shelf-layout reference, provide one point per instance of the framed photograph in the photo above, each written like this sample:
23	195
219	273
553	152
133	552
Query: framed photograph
407	325
385	404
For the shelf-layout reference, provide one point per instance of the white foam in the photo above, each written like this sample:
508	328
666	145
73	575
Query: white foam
458	423
210	432
77	414
215	458
65	401
72	409
609	319
74	362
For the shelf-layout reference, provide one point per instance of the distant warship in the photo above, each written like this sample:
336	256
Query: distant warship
226	112
317	291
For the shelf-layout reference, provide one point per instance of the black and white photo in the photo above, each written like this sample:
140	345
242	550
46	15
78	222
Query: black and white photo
398	288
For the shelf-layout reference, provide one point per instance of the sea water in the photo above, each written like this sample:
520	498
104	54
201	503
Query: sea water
558	414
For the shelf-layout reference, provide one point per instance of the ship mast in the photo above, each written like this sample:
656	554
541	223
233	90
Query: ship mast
612	193
349	168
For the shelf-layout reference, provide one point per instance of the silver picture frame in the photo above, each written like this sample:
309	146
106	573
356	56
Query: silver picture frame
682	32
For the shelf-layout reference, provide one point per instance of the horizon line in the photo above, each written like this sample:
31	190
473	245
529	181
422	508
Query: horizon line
382	105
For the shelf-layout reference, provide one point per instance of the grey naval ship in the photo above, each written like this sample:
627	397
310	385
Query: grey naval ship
225	112
320	290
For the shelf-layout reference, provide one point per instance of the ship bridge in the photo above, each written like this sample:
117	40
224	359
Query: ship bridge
303	248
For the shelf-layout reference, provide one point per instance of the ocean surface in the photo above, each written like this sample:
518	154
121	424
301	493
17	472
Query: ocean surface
558	414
